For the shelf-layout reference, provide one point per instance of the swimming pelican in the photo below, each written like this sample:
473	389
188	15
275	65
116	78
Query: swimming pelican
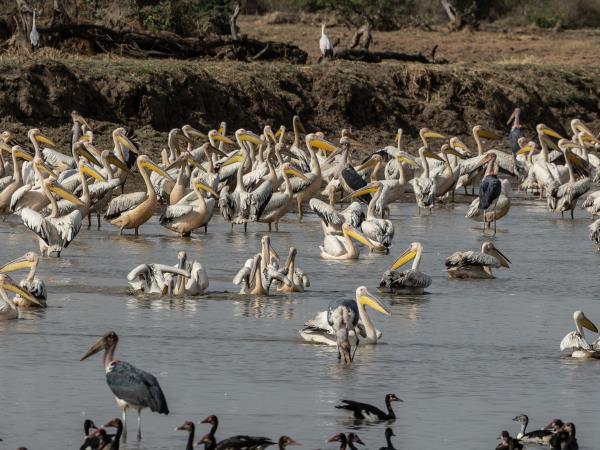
34	285
196	283
332	220
424	185
299	279
478	265
500	210
575	340
325	44
134	209
54	233
152	278
374	227
342	248
322	328
133	388
186	216
8	309
257	274
410	281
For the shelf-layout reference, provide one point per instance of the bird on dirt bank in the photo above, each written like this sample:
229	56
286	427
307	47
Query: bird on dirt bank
34	36
325	45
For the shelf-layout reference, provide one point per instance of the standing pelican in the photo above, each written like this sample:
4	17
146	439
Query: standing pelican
568	193
16	181
133	210
575	340
279	204
342	248
476	265
424	185
33	285
323	327
54	233
325	44
8	309
410	281
185	216
133	388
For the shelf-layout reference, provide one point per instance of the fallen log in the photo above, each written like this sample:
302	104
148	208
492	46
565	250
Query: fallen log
358	54
167	45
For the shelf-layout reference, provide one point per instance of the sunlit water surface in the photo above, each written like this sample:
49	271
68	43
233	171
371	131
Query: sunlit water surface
466	358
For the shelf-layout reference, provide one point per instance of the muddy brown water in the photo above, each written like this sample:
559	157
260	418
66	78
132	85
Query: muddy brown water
465	358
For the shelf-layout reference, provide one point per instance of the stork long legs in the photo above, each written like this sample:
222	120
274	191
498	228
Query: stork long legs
124	424
139	429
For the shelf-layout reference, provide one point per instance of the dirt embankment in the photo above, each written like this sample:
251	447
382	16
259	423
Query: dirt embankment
154	96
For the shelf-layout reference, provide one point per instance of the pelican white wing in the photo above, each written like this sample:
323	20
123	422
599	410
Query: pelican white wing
124	203
574	341
471	258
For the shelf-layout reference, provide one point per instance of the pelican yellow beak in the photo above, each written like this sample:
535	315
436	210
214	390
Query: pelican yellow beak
408	161
279	132
321	144
549	132
451	151
269	133
526	149
153	167
408	255
429	134
22	155
373	302
207	188
189	131
457	143
251	137
127	143
589	138
44	168
44	140
430	154
397	137
83	151
84	138
487	134
113	160
232	160
221	129
62	192
22	263
356	235
91	172
368	189
218	136
97	347
5	147
587	323
8	284
504	261
295	173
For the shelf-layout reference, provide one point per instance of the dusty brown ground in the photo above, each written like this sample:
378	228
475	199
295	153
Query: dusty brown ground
501	45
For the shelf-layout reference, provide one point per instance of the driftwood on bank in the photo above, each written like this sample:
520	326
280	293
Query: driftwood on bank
357	54
167	45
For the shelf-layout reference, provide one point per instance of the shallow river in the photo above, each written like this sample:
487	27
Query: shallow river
466	358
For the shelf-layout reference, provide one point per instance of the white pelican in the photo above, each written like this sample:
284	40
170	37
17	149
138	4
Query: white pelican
424	185
197	282
374	227
322	328
595	233
54	233
279	204
342	248
33	284
332	220
477	265
575	341
11	184
133	210
592	203
500	209
469	168
299	279
152	278
568	193
186	216
325	44
410	281
29	195
257	274
8	309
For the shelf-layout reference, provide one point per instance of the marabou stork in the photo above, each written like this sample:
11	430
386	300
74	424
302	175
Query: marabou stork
490	188
516	131
133	388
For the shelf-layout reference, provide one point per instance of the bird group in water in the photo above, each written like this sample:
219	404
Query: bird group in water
251	178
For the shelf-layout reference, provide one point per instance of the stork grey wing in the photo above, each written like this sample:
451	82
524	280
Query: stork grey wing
123	203
326	212
136	387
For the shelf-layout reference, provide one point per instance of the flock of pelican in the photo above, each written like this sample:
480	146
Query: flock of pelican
260	178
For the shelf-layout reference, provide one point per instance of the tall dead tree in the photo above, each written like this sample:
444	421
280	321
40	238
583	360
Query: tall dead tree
235	30
364	31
